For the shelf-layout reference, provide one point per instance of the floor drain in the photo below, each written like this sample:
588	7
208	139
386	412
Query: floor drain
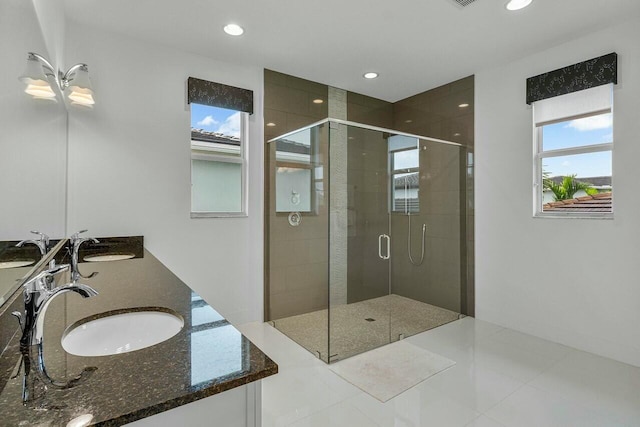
369	319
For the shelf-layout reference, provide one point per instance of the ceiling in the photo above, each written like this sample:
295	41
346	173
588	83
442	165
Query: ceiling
413	45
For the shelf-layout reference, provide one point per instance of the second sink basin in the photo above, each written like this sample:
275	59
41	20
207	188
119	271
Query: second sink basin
16	264
121	332
108	257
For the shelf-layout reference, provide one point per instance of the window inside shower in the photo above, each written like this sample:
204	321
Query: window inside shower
404	164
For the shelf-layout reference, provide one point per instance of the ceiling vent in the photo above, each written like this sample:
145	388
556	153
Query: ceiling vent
464	3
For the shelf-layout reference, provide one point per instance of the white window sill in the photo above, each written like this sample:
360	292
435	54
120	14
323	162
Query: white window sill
219	215
573	216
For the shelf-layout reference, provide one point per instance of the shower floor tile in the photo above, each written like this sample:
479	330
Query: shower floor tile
362	326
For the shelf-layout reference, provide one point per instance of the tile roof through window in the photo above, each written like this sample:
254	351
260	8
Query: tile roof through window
598	203
215	137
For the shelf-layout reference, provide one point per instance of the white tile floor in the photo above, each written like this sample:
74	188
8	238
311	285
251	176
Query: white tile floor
502	378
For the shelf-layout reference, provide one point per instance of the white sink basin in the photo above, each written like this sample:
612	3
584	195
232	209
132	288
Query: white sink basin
121	333
108	257
15	264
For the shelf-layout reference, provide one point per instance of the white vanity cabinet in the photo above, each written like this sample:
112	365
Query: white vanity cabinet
238	407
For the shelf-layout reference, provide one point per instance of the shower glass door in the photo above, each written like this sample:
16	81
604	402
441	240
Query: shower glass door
427	239
394	233
360	242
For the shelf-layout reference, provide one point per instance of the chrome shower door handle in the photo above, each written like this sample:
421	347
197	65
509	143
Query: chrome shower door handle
380	237
388	255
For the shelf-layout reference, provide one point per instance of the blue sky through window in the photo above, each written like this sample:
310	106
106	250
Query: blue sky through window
405	159
575	133
215	119
581	165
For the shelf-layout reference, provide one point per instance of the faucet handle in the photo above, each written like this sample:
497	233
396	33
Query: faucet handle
56	269
75	236
76	240
43	240
43	237
40	282
18	316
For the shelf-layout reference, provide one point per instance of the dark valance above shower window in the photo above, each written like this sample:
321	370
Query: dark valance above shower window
583	75
219	95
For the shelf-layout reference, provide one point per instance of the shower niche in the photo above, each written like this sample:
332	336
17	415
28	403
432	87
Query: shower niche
377	254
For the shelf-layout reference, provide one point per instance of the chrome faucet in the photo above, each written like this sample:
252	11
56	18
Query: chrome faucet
75	241
42	243
38	293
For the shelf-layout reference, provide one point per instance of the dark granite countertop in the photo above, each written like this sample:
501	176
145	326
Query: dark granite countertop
208	356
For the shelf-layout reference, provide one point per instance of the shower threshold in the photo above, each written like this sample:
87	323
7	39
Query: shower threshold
362	326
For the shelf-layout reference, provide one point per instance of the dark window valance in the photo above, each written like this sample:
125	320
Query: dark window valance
583	75
219	95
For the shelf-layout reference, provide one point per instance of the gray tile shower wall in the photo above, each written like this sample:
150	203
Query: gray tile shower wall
437	280
446	112
296	258
437	113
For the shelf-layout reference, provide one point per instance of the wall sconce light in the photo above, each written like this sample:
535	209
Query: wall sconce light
39	74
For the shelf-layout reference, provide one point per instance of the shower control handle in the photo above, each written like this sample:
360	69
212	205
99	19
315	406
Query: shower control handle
388	239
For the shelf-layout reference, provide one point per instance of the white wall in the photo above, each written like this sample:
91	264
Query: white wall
576	282
130	166
32	135
52	23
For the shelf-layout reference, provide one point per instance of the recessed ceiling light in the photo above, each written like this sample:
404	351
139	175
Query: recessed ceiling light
465	105
233	29
518	4
318	101
271	124
370	75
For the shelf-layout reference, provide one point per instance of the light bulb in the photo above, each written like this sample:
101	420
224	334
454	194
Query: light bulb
518	4
233	29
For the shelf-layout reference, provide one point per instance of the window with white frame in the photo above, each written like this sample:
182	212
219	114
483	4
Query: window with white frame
218	161
573	146
219	136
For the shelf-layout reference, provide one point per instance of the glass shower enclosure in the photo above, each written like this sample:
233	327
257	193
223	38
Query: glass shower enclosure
364	240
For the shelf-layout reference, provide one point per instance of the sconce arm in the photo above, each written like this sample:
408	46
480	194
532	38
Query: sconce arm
46	64
66	77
